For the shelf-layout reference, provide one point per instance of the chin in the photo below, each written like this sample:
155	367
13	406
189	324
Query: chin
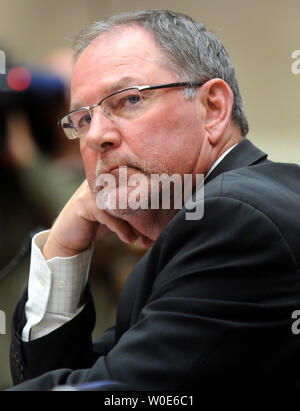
116	212
117	203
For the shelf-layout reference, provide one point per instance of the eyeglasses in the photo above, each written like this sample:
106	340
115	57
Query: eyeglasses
127	103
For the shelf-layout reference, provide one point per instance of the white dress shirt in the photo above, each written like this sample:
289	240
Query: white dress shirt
56	286
55	289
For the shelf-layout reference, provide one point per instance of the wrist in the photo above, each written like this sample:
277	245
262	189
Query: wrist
53	249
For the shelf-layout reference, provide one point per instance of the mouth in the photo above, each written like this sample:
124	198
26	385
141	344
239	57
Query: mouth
116	167
110	169
118	171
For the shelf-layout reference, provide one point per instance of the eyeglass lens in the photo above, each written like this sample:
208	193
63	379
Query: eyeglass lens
124	104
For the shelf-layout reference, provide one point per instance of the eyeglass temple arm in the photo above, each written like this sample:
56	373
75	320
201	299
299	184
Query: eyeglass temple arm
183	84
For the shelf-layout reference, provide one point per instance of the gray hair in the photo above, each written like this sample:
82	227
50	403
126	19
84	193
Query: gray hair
193	52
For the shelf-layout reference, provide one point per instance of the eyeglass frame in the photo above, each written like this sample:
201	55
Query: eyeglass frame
139	88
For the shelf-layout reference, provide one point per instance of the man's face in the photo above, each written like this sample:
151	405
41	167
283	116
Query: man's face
167	137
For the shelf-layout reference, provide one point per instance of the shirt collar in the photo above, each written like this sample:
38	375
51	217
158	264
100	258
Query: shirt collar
219	160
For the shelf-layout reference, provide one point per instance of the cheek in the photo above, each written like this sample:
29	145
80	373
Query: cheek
89	159
171	141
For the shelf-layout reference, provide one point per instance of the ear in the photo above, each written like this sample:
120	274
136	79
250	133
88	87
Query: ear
217	101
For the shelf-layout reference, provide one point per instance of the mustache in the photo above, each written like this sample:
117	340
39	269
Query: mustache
146	166
102	167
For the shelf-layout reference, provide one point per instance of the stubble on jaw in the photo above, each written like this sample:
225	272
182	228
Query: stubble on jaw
144	167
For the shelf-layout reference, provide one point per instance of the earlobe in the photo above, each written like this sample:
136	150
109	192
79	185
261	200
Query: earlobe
211	139
217	98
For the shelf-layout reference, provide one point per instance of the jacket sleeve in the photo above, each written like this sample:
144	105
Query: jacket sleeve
217	317
69	346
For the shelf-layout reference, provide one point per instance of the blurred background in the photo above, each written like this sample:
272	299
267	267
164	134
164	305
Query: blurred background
40	169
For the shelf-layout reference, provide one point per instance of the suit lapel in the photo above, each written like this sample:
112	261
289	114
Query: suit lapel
243	155
138	284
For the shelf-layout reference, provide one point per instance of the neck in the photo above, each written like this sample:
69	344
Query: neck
209	155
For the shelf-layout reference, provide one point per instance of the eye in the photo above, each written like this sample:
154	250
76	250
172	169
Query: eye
126	102
85	120
82	120
123	103
134	99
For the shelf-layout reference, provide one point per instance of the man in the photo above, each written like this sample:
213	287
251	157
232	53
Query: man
210	305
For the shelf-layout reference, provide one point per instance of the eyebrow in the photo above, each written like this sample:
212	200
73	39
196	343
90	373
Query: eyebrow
119	85
122	83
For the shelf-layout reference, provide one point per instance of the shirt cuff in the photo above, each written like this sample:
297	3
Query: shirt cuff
55	289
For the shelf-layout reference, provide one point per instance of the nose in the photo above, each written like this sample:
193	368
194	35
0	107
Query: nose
103	133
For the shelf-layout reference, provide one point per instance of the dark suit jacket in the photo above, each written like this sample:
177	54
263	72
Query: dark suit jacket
208	307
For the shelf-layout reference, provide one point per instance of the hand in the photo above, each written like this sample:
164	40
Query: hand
81	222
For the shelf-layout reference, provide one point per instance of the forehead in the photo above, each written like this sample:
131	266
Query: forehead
126	52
